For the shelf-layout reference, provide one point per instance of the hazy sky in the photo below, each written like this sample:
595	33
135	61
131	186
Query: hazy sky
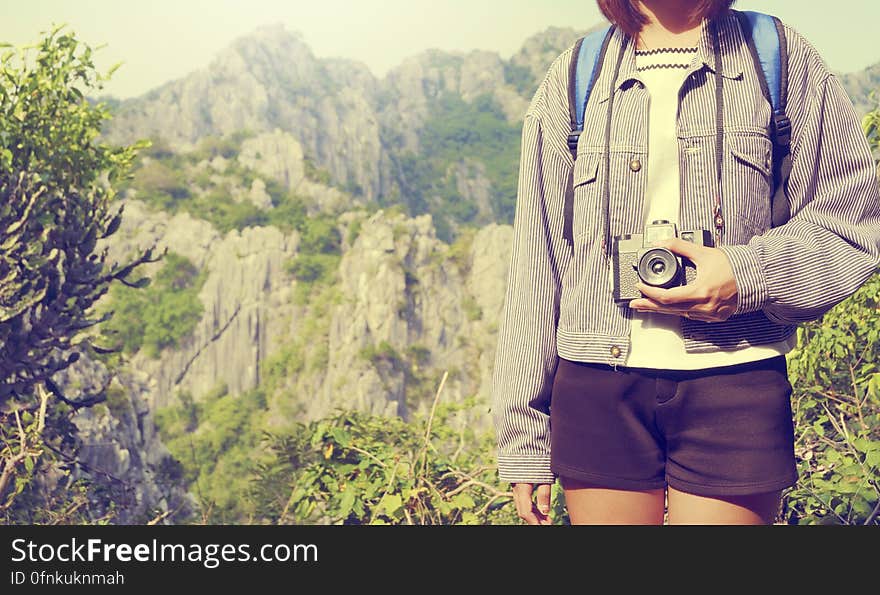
159	40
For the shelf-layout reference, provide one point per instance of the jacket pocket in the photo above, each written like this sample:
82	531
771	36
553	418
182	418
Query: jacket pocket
747	184
586	194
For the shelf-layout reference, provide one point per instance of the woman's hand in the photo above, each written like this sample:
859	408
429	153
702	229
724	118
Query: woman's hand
533	514
712	297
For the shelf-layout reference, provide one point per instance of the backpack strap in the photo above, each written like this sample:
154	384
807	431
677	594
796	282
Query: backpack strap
765	37
584	68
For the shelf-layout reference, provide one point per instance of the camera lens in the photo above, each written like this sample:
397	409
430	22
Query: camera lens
658	267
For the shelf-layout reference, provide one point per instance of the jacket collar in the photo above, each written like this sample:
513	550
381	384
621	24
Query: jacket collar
731	44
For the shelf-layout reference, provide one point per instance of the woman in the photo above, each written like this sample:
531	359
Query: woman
678	399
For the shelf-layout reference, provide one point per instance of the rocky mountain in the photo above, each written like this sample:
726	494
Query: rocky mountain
346	120
403	307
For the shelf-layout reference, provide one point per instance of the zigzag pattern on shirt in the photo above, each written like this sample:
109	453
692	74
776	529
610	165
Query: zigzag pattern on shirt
666	51
653	66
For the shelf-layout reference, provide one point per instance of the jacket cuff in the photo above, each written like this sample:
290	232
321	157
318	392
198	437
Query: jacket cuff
750	281
525	469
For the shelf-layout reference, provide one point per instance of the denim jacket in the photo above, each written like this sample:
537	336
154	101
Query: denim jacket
558	301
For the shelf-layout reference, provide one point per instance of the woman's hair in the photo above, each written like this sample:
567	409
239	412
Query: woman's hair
626	14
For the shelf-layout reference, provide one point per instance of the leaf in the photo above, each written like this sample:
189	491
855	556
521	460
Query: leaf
391	503
444	507
318	436
463	501
346	503
469	518
341	436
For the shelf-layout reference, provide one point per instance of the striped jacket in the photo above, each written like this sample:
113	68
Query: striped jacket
558	302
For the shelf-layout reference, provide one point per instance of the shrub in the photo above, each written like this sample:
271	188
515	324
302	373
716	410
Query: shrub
353	468
836	402
161	314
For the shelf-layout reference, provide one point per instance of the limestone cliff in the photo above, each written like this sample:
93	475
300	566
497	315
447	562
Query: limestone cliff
397	283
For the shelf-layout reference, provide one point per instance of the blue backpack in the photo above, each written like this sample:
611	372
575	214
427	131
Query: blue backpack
766	40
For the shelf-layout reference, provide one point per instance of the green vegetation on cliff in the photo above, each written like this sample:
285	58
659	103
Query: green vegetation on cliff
161	314
460	132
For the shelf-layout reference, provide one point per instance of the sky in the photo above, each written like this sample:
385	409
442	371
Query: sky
161	40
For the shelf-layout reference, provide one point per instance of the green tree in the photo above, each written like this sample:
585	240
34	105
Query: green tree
56	197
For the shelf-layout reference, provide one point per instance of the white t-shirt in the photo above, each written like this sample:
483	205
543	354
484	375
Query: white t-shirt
656	339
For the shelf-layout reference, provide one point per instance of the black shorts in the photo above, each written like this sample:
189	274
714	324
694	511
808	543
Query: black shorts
723	431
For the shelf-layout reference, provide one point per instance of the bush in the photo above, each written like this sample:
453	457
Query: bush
836	402
156	180
58	191
311	268
218	207
227	146
161	314
216	443
319	253
354	468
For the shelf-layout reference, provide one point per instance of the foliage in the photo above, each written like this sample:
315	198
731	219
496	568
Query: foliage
318	254
187	182
384	351
56	184
836	375
459	252
521	78
354	230
228	146
471	308
215	447
355	468
160	315
871	124
315	173
57	189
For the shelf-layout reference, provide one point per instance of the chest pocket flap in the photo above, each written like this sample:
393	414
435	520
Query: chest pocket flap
586	168
755	151
585	194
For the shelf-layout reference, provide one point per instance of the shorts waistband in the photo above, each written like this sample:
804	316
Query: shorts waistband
776	362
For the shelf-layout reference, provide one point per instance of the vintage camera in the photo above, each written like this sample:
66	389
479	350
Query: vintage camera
634	258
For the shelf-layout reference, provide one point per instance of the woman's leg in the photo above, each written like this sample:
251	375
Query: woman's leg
605	447
753	509
729	437
588	505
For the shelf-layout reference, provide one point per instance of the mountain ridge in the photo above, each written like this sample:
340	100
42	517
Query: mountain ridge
350	122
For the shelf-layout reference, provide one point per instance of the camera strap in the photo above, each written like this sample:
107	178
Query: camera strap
719	134
606	241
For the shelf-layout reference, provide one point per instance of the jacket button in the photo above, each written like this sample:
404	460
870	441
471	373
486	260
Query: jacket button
635	165
615	351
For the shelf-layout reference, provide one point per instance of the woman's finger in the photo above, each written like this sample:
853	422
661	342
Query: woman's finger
525	508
